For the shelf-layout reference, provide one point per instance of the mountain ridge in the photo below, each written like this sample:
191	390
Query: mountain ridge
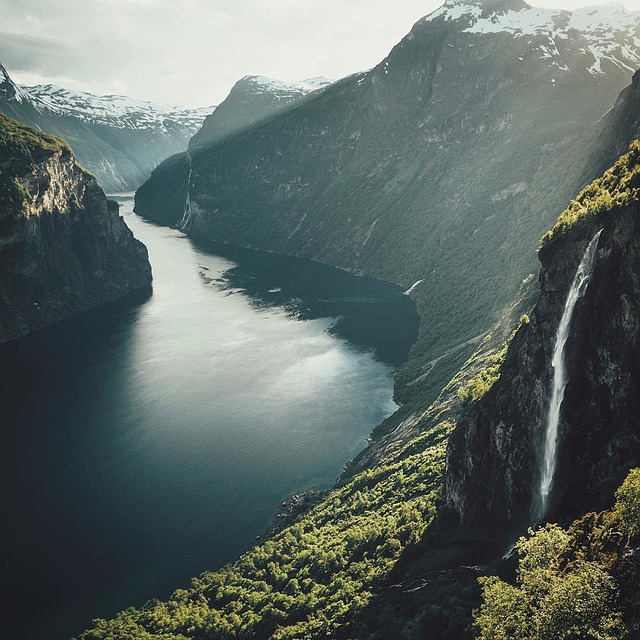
252	99
118	139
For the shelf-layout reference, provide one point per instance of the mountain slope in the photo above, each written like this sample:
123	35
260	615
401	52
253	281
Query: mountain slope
251	99
443	165
118	139
63	247
499	443
369	561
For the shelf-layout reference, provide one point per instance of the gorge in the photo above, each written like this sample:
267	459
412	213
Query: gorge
175	437
481	420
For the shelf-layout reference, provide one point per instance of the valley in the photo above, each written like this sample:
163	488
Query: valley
175	436
359	355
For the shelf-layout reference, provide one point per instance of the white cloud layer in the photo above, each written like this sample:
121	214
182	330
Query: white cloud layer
191	52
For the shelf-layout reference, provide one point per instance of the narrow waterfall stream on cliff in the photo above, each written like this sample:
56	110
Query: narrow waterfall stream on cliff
153	440
559	382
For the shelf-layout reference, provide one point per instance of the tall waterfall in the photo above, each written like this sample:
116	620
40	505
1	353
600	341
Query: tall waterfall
549	462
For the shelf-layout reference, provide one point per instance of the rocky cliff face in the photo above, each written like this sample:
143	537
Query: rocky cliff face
494	456
118	139
444	164
64	248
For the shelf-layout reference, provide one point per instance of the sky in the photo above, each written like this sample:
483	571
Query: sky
191	52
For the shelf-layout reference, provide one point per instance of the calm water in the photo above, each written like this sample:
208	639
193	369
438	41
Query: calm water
155	439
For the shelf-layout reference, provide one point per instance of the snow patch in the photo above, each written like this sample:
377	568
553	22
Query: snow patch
271	85
612	33
114	110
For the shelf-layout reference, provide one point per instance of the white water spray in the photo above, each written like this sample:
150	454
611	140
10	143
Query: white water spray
549	462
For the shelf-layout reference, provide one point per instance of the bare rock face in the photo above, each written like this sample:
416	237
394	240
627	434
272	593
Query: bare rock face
494	456
64	248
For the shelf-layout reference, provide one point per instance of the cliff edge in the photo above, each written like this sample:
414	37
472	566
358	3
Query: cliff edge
64	248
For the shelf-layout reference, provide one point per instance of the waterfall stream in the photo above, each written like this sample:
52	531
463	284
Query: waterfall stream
550	452
186	215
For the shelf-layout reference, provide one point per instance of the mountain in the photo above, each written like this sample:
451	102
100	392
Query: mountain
439	169
64	248
383	554
251	99
118	139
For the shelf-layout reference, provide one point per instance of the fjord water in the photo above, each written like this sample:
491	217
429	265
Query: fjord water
154	439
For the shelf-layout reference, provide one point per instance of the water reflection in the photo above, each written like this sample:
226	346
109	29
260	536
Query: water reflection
154	439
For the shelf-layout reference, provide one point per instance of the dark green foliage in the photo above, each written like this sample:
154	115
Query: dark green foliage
26	144
312	578
617	188
573	583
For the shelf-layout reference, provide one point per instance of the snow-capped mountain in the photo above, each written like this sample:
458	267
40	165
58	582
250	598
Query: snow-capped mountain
605	35
251	99
118	139
262	84
113	110
8	89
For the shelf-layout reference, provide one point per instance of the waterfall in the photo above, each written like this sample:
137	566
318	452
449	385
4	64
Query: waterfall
186	214
550	452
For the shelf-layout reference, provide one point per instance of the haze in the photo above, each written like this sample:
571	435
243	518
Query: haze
192	52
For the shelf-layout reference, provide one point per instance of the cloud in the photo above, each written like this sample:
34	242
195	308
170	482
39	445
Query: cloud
193	51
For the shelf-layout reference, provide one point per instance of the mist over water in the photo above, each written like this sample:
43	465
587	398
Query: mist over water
155	439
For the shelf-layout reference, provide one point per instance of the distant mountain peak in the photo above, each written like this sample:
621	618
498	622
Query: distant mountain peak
490	5
610	33
251	99
8	89
280	86
112	110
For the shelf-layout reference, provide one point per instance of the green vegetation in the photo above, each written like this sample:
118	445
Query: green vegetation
618	187
20	148
481	383
19	142
628	504
313	577
569	582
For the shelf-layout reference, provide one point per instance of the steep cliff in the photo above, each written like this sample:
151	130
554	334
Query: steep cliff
495	455
63	247
442	165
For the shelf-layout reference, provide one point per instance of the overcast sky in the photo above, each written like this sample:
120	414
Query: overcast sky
192	51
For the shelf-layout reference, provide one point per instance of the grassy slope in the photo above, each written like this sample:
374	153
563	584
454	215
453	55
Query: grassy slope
20	148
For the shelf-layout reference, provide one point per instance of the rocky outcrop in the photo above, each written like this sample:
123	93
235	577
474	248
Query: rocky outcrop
64	248
494	456
618	128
